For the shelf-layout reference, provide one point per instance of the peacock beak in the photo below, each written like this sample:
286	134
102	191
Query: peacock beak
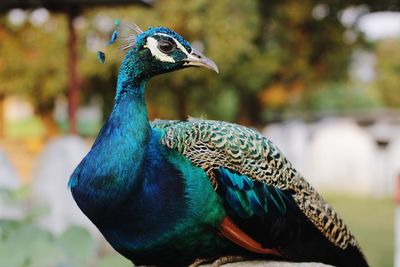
196	58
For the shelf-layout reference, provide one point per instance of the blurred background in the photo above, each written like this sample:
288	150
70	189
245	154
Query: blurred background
319	78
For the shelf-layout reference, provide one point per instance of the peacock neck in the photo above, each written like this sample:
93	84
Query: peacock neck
112	166
130	106
131	77
130	132
110	172
127	131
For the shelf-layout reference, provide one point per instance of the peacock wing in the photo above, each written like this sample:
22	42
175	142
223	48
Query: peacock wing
231	153
163	124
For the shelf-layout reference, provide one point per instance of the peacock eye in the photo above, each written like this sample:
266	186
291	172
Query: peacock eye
166	46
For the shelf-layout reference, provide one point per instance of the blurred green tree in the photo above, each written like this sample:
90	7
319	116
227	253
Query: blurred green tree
24	243
387	69
257	46
271	55
33	65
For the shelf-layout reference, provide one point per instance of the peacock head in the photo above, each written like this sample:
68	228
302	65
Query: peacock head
160	50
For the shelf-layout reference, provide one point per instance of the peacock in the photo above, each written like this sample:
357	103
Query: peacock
179	193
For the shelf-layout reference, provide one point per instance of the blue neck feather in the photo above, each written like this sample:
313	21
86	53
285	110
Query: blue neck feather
117	154
131	77
129	120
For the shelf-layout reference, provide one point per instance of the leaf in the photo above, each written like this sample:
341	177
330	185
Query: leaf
26	243
114	261
10	255
78	244
45	253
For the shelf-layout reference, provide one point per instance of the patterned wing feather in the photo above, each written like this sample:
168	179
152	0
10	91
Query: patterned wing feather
211	145
164	124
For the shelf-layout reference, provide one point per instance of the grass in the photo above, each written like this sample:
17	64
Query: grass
85	128
371	221
30	127
33	127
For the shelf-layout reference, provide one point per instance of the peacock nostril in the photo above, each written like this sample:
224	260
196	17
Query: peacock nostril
196	54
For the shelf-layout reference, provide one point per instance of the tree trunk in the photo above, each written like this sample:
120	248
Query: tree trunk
73	83
2	115
250	109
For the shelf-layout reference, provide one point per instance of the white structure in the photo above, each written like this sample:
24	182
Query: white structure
387	133
9	180
338	155
342	157
49	184
17	108
8	175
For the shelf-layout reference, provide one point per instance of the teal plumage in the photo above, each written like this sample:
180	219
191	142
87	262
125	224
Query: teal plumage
168	192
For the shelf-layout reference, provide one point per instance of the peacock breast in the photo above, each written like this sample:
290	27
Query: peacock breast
174	211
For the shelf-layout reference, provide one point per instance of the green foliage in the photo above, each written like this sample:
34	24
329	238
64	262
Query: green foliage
340	97
254	44
78	245
31	127
257	45
113	260
388	72
33	61
24	244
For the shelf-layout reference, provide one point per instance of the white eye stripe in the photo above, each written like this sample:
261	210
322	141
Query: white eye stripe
178	44
152	45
